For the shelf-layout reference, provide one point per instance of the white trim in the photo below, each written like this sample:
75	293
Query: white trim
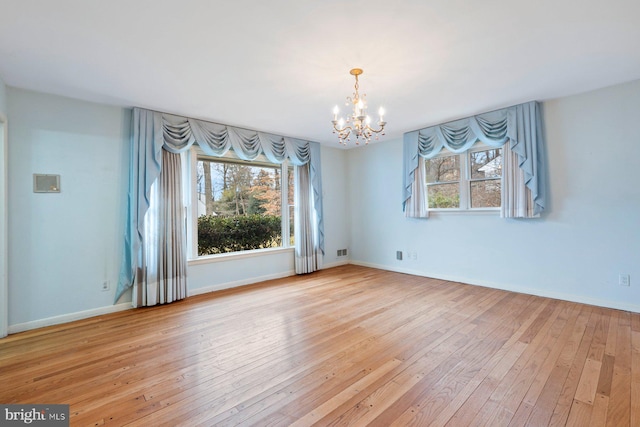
4	228
238	283
508	287
192	207
476	211
70	317
335	264
232	256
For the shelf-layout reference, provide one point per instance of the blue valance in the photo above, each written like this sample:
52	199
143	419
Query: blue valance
179	134
520	125
154	131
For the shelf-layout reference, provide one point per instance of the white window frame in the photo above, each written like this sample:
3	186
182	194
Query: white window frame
192	213
465	181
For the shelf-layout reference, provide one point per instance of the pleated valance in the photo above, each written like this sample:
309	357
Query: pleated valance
179	133
154	131
520	125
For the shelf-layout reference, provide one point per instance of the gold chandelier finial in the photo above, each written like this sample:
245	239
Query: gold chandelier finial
358	123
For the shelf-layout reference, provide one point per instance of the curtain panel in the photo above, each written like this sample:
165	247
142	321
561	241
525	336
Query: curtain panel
307	253
519	125
154	131
161	275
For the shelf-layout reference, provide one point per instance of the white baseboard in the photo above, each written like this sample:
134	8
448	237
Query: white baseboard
238	283
335	264
65	318
635	308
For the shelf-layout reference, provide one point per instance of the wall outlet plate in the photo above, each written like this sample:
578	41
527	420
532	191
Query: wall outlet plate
624	280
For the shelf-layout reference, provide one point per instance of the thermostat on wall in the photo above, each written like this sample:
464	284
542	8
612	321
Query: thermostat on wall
46	183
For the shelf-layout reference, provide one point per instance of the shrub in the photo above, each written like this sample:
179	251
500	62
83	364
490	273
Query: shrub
220	234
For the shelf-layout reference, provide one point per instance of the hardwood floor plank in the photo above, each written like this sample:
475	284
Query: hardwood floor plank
618	412
599	412
349	345
586	391
579	414
635	376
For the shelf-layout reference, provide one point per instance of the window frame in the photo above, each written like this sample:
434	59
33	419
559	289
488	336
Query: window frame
465	181
195	154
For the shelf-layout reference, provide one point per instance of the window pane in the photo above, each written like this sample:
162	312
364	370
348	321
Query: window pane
443	169
485	194
239	206
486	163
292	240
444	195
291	198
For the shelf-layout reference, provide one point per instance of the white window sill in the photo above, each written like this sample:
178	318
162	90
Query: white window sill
446	212
208	259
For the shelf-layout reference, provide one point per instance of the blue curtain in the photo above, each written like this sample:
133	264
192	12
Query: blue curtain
154	131
520	125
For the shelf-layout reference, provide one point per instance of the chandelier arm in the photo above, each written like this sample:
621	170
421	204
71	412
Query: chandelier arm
375	130
337	129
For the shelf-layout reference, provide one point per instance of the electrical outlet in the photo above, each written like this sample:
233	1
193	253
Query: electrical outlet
399	255
105	285
623	280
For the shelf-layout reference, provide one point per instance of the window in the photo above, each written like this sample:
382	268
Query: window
239	204
471	180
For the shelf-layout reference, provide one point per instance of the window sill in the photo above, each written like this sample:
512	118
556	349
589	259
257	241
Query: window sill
208	259
446	212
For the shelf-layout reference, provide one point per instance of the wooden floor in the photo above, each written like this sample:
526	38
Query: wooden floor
344	346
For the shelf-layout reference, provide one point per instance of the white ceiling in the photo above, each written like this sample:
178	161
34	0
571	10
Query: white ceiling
281	65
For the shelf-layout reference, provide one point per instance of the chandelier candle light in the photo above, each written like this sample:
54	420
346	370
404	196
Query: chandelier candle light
358	122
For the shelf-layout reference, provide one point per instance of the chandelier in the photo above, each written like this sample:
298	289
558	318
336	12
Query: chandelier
358	122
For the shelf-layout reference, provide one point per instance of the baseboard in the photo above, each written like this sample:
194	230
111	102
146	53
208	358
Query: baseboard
65	318
635	308
335	264
238	283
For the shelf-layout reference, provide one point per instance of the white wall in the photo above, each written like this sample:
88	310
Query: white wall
337	208
63	246
3	97
3	211
590	234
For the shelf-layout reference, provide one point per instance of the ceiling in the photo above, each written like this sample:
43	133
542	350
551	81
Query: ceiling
281	65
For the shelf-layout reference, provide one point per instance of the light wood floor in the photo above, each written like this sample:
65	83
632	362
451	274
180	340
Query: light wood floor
348	345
